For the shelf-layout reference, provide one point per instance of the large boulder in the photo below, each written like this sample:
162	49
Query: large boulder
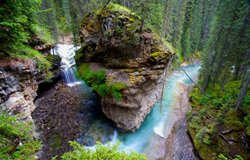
132	56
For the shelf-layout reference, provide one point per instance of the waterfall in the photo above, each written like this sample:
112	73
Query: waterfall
115	137
67	53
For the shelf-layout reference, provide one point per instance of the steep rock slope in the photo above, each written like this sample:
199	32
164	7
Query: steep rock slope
133	59
19	80
18	86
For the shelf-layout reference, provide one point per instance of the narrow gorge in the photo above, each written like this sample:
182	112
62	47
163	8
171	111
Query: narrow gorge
124	80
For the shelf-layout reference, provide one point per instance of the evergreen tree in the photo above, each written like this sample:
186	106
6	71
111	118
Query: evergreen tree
179	9
48	17
167	21
185	39
196	27
228	24
16	21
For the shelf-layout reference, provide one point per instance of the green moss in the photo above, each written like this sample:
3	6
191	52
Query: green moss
118	8
160	49
168	45
97	80
157	56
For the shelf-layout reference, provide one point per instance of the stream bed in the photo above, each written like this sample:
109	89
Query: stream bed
70	111
150	138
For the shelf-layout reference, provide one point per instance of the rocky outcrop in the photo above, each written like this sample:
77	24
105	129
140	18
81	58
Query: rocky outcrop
114	40
18	86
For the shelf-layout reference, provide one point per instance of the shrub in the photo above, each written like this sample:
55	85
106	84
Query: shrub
236	125
247	100
198	139
16	140
101	152
217	103
247	120
42	33
26	52
222	157
220	117
206	139
97	80
202	112
219	114
238	157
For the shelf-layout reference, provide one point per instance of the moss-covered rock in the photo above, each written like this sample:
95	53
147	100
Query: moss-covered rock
114	41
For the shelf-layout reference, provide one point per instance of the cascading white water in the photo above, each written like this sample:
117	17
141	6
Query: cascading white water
67	53
150	137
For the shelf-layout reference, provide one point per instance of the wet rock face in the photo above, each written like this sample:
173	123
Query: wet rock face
113	40
18	86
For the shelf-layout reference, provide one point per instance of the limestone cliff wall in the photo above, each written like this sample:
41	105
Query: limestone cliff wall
18	86
114	40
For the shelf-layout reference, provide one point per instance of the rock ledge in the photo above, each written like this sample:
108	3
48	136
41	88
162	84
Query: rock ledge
113	40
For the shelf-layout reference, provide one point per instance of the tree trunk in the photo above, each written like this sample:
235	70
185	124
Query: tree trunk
243	92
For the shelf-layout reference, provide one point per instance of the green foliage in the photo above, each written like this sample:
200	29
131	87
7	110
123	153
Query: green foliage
236	125
18	25
116	7
186	35
97	80
64	17
214	111
13	132
43	64
42	33
247	100
238	157
222	157
15	20
229	27
101	152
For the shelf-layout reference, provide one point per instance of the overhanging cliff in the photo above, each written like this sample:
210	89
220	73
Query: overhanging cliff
124	62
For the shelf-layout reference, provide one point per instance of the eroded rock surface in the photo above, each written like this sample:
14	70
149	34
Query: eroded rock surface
18	86
114	40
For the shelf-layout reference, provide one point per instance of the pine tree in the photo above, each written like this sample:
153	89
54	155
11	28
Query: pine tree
48	17
167	22
196	27
228	25
185	39
179	9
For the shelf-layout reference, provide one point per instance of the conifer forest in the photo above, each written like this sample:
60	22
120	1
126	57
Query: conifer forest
125	79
